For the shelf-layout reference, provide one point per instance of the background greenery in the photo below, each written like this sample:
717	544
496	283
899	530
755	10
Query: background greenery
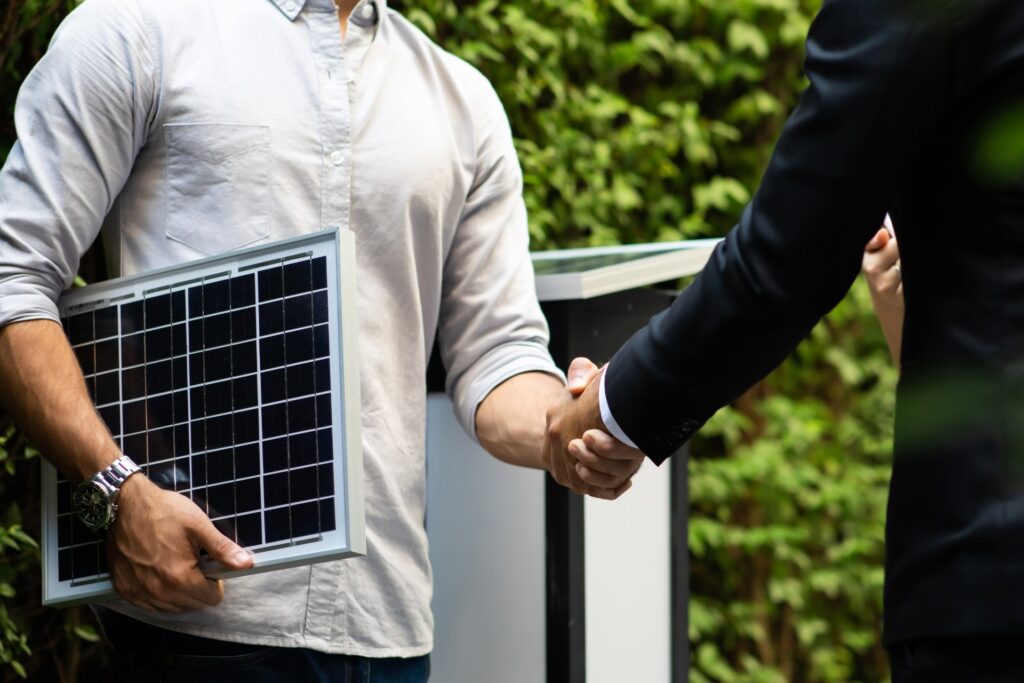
635	121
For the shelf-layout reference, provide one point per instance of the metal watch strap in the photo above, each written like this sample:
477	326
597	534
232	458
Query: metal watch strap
111	478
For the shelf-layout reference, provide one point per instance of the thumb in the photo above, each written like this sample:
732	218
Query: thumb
880	239
220	547
581	372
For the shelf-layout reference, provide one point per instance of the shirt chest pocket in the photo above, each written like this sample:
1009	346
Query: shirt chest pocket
217	185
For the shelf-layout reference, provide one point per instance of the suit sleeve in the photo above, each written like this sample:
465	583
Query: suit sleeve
876	70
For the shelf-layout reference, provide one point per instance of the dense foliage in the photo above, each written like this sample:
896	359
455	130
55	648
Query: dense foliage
635	121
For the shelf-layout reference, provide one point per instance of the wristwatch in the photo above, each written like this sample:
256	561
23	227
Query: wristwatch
95	500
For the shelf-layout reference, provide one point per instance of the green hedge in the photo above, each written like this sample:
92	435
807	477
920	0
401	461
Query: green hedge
639	121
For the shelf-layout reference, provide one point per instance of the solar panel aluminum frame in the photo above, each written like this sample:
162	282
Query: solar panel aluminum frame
348	538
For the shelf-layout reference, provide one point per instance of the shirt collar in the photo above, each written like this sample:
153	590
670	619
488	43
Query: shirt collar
290	8
360	15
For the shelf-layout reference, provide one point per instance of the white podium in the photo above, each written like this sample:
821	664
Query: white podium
531	582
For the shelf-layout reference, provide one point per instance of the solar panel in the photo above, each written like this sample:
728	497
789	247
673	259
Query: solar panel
233	381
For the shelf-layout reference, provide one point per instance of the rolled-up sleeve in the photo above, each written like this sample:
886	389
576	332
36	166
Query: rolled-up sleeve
81	117
491	325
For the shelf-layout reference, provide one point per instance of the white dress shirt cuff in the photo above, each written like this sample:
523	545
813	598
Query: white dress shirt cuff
609	420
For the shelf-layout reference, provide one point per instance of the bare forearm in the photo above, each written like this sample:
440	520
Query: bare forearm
510	422
881	264
43	389
891	319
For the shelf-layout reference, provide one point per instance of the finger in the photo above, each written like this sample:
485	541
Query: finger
142	604
880	260
889	254
562	472
600	464
599	479
581	373
603	494
888	281
878	264
880	239
164	606
188	589
612	494
566	476
221	548
132	592
144	599
608	446
187	603
576	483
600	472
881	264
559	461
870	265
164	594
201	592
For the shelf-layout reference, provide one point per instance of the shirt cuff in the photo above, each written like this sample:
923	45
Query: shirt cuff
497	366
609	420
17	305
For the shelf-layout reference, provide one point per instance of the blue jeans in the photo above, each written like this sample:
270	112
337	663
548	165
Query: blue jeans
148	654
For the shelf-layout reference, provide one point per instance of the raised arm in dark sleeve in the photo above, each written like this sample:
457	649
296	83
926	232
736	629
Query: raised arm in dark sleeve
877	71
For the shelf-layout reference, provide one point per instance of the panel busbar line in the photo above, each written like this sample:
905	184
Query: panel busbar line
233	382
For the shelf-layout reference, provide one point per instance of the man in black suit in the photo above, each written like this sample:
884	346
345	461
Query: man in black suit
917	107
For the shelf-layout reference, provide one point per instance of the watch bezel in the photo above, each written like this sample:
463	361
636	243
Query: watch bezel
95	516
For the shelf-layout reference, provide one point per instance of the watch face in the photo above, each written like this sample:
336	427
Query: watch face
92	506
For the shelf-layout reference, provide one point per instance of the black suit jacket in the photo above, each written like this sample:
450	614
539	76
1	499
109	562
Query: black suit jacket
917	107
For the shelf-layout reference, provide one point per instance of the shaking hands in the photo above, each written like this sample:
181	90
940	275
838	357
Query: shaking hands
578	453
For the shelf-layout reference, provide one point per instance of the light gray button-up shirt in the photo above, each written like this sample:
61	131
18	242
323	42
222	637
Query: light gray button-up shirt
192	127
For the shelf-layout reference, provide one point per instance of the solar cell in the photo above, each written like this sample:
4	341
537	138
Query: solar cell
232	381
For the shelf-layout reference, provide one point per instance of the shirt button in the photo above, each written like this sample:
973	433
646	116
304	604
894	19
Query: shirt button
290	7
368	11
337	157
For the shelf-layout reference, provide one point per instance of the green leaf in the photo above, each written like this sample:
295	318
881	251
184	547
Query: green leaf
20	535
87	632
744	36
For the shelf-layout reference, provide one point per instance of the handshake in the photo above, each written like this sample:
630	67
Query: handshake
578	451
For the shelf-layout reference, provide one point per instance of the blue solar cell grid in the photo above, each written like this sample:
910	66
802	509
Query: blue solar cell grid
220	389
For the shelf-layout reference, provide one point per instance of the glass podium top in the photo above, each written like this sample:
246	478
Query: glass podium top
585	273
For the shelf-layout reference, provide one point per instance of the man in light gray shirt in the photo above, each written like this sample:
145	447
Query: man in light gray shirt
188	128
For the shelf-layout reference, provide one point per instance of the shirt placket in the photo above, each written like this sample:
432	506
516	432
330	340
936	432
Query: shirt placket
337	67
